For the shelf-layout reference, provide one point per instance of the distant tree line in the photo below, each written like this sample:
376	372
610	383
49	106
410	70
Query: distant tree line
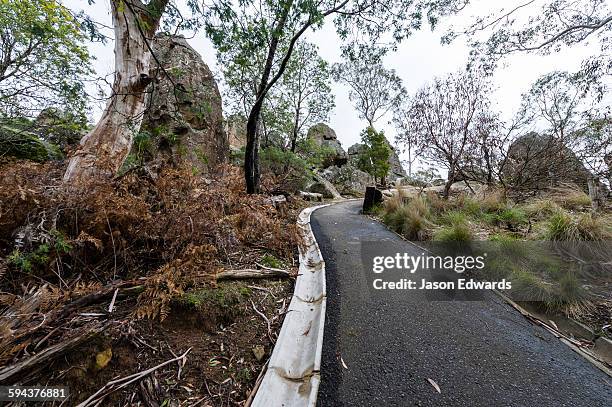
281	85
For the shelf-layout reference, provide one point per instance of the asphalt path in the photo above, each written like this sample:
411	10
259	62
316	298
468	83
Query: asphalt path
381	347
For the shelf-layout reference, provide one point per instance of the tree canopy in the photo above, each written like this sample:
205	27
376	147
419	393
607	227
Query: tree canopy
374	89
374	159
43	59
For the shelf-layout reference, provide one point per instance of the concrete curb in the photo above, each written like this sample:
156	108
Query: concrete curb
293	374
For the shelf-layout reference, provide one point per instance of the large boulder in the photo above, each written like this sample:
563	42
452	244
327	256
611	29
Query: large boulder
184	120
16	140
324	136
348	179
536	162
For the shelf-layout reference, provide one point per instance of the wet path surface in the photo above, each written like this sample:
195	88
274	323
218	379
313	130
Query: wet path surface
480	353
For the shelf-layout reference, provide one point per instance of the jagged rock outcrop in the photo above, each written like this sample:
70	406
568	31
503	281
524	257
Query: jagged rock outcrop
538	161
235	128
396	170
324	136
184	120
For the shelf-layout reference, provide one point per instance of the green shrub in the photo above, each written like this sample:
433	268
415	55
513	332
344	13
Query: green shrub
313	154
292	168
26	262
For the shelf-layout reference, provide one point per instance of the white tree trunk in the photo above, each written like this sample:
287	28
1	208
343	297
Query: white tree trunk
103	150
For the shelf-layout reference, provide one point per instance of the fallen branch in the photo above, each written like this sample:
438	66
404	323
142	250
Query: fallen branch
125	288
252	274
261	314
9	372
108	387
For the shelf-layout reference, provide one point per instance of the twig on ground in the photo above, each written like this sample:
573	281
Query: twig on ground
261	314
108	388
112	304
249	400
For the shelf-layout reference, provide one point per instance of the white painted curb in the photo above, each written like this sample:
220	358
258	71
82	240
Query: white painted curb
293	375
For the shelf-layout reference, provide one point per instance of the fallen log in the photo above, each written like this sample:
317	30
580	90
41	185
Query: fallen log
125	288
310	196
252	274
9	373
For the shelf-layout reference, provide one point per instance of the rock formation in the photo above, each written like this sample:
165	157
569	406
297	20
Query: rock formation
324	136
184	120
348	179
538	161
235	128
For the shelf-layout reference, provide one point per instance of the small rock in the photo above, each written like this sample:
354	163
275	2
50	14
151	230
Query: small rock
103	358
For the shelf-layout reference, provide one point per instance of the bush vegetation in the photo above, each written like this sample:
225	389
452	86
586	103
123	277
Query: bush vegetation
537	274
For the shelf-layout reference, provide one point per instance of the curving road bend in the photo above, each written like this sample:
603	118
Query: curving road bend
380	349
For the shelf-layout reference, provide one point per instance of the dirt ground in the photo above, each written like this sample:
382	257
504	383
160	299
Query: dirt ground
221	336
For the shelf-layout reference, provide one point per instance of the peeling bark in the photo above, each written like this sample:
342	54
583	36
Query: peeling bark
103	150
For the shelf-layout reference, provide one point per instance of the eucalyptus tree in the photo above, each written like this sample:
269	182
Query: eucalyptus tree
43	59
374	89
444	119
241	30
306	86
104	148
401	122
543	27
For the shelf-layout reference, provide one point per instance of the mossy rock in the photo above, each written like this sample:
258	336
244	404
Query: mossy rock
25	145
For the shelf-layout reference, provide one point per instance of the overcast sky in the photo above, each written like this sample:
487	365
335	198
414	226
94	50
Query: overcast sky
417	60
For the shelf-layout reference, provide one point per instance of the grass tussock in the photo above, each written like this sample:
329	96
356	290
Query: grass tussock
570	197
583	227
459	232
526	286
542	208
411	219
566	294
492	200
